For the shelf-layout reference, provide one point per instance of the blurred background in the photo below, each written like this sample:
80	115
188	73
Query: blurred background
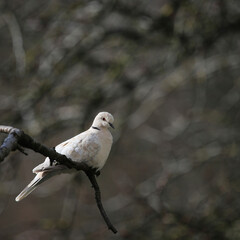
168	70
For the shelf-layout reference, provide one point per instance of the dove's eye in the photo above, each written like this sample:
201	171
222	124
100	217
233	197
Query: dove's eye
104	119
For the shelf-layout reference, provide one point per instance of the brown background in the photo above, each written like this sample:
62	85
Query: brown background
169	73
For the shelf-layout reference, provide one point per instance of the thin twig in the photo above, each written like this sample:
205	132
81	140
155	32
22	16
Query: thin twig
94	183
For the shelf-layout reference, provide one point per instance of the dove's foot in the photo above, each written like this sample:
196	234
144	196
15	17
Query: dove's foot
95	171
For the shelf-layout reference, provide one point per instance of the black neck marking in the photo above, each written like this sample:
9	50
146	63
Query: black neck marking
96	128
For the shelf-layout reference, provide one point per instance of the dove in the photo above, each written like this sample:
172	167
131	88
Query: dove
91	147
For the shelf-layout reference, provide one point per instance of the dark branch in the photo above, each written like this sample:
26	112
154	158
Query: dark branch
17	139
94	183
10	144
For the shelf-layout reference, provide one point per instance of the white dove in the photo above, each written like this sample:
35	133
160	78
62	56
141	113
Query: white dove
92	147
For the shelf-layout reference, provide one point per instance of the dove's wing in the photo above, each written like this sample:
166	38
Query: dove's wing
81	148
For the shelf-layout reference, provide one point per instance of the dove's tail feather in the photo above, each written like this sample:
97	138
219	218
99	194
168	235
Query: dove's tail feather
43	174
40	178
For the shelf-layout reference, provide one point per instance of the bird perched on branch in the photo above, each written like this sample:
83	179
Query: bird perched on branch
91	147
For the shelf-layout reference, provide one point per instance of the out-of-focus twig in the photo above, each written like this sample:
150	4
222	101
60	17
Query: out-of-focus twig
17	41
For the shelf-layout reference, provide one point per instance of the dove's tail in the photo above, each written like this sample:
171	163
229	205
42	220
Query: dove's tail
40	178
43	174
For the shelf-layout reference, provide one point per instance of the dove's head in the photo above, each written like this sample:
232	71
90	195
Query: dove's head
103	120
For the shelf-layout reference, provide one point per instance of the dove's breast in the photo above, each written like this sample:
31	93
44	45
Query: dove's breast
105	142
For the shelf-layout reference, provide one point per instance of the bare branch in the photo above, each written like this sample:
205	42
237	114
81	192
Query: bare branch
93	180
17	136
9	144
5	129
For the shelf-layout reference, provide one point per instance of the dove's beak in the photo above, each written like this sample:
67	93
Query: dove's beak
111	125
